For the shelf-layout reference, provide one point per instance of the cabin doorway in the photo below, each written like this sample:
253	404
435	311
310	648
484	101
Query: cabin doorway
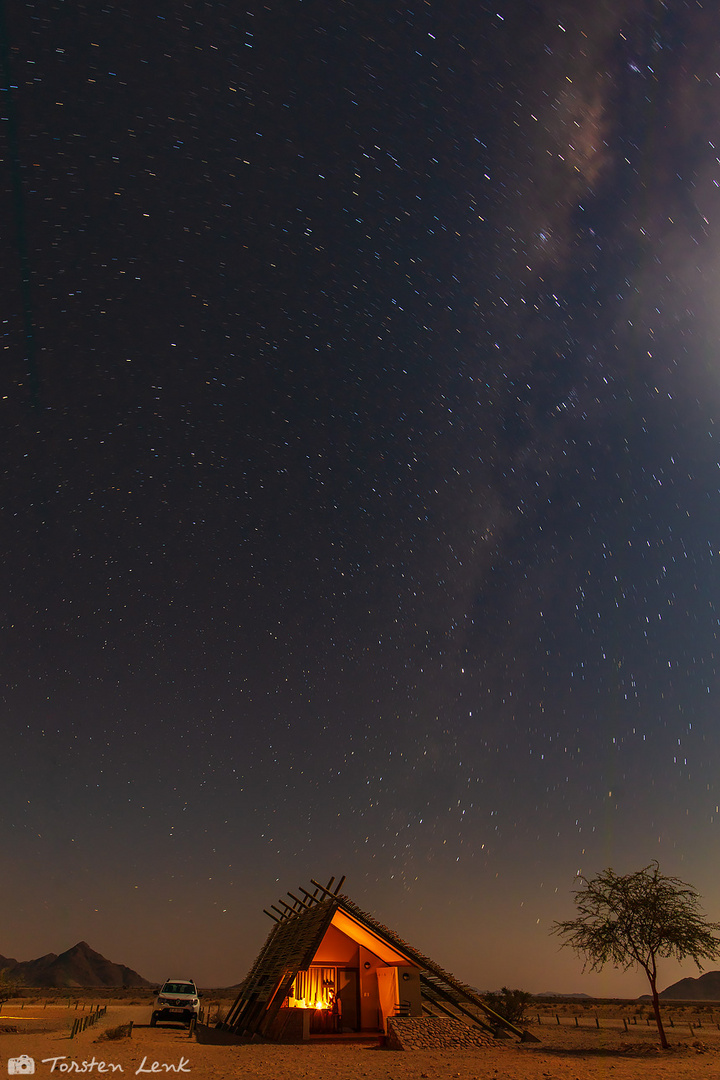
347	993
387	978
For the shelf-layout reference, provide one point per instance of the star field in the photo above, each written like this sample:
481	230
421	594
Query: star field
361	488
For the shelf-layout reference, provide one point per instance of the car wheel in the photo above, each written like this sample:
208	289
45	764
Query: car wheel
153	1020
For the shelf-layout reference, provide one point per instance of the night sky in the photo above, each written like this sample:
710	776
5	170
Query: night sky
360	470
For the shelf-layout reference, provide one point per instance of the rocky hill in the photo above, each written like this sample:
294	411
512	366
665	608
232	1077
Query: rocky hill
704	988
78	966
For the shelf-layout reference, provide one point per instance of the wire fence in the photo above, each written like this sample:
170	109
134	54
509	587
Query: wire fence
89	1020
626	1023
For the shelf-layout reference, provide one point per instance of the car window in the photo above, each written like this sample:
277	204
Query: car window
178	988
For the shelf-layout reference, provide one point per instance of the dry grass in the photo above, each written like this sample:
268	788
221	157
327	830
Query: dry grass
568	1051
122	1031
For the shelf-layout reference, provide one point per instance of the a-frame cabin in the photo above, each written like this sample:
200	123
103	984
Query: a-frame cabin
329	968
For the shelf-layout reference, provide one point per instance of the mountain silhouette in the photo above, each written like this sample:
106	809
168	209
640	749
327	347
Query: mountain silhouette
78	966
704	988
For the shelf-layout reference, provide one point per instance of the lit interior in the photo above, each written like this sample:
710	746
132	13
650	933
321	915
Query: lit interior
313	989
359	933
316	987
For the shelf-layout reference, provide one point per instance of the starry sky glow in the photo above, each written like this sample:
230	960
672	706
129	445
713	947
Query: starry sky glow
361	488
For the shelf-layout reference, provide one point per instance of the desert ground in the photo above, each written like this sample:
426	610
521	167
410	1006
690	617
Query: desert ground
572	1046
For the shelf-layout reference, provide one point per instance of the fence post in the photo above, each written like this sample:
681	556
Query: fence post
625	1023
597	1021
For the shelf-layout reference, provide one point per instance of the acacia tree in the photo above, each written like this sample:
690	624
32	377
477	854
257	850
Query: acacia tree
633	920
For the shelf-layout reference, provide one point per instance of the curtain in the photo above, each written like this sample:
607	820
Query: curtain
315	988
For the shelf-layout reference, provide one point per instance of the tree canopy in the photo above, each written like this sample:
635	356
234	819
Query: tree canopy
634	920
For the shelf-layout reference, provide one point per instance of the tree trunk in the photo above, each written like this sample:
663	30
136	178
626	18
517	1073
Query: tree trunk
656	1009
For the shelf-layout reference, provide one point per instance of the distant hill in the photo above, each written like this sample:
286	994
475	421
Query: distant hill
78	966
704	988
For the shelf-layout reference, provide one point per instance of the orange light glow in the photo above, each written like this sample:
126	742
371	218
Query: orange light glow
301	1003
313	989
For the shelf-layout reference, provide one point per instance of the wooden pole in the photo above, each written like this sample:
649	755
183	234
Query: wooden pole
323	888
298	900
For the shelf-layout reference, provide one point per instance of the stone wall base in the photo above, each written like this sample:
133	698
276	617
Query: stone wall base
433	1033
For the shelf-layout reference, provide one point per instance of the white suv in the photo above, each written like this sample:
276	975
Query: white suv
178	1000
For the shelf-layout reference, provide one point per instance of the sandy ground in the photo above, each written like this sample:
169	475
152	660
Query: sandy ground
565	1053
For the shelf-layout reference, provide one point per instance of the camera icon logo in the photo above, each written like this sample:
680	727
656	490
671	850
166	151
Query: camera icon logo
21	1066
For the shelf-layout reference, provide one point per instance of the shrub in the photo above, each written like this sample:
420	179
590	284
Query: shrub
511	1005
122	1031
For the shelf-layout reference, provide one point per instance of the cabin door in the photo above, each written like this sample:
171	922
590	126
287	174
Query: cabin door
387	978
347	992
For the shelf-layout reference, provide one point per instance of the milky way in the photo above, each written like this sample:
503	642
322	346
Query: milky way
360	494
